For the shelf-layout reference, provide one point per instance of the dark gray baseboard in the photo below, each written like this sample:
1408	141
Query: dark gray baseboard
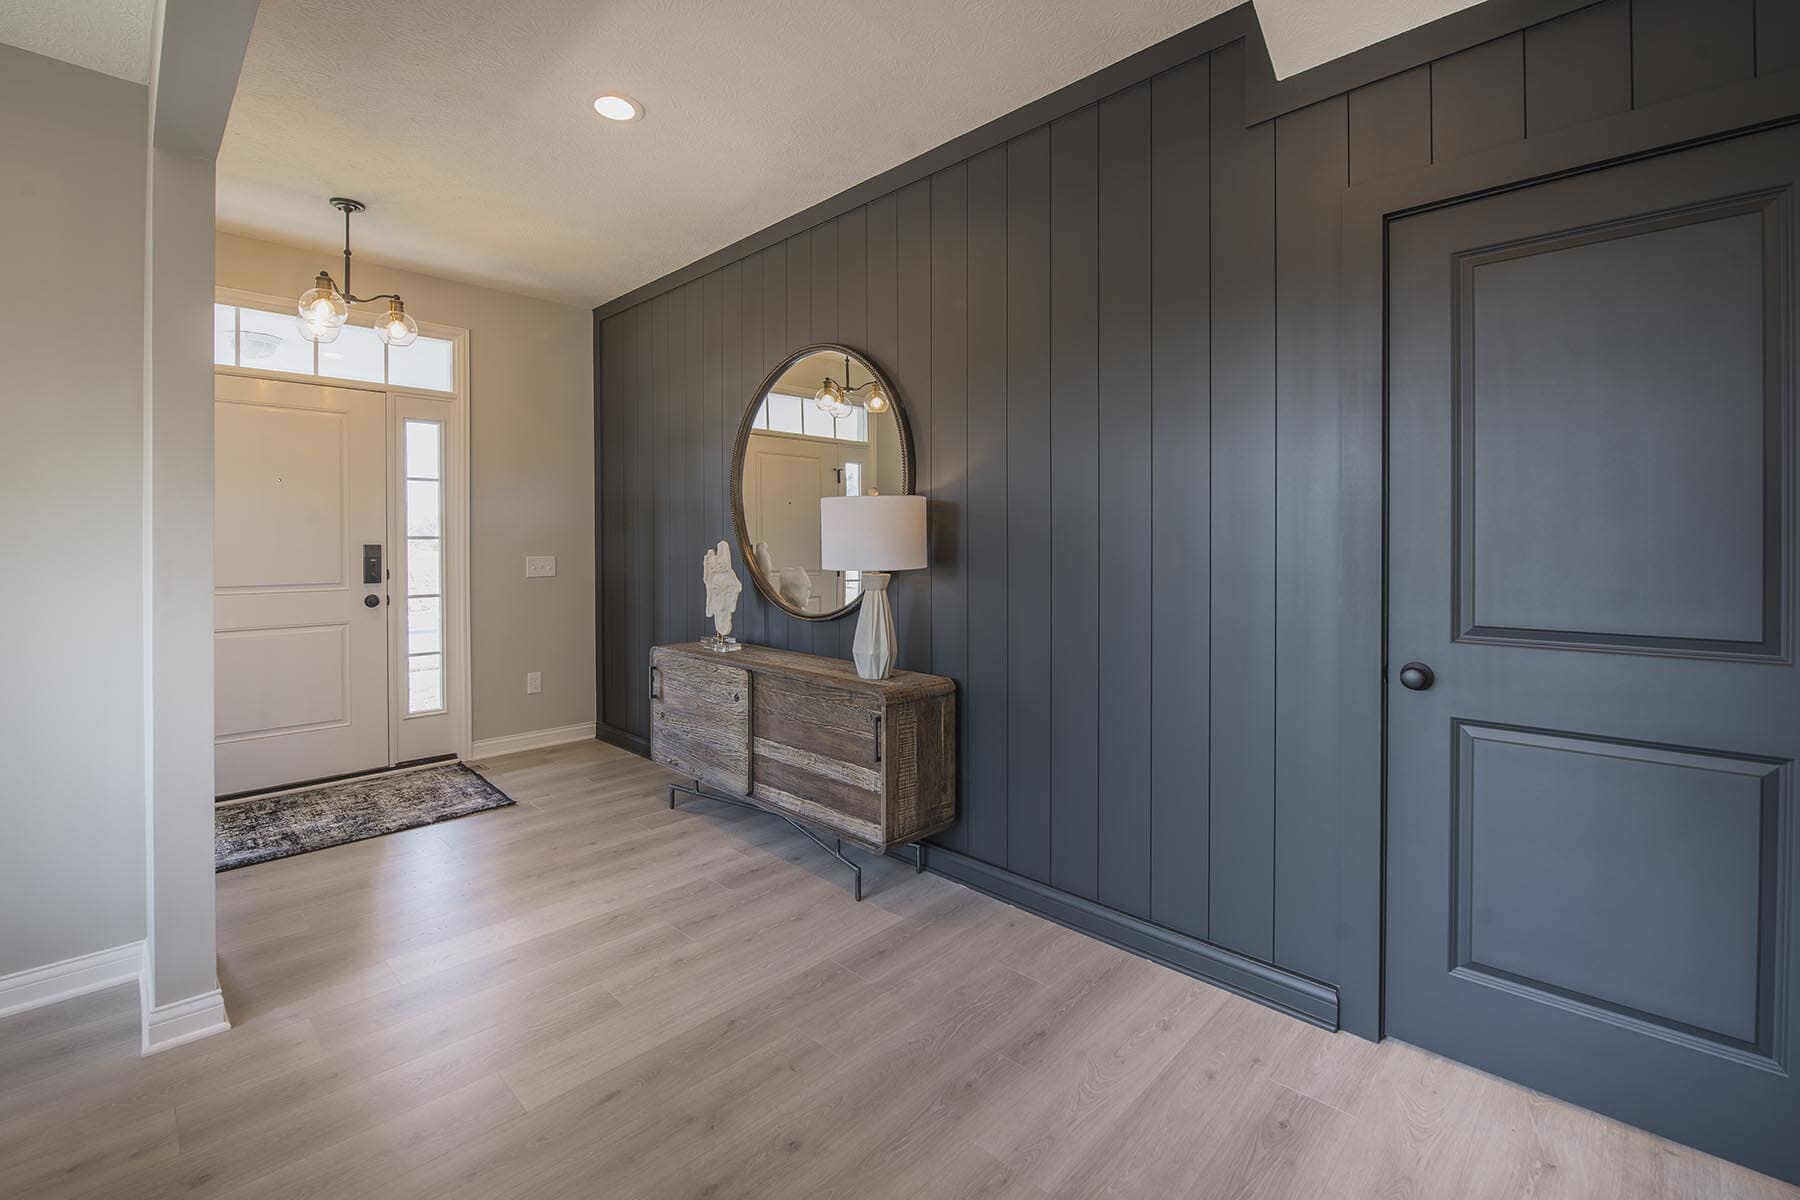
1296	995
1313	1002
623	739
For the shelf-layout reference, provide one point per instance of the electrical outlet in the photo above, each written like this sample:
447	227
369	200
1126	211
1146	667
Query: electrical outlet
534	682
540	566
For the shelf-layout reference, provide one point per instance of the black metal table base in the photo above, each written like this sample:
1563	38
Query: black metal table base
835	848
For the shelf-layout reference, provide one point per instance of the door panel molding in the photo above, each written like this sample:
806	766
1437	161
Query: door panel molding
337	652
1769	593
1745	937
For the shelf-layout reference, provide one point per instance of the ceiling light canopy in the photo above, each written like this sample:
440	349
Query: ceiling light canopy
615	107
324	309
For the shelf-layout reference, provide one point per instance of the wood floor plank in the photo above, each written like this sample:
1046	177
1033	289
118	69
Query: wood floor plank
591	994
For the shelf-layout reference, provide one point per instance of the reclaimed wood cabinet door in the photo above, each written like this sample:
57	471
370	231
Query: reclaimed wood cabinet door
818	755
700	719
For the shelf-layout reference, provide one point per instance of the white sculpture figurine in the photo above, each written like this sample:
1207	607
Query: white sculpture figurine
722	590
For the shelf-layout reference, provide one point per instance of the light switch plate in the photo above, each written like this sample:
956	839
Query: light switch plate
534	682
540	566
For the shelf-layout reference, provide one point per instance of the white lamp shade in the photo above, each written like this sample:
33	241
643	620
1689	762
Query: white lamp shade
872	533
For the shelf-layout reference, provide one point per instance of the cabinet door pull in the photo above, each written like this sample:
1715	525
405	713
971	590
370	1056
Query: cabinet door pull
655	688
877	737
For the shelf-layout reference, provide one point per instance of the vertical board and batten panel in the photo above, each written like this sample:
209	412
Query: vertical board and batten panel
1242	903
716	516
615	546
881	269
1478	98
1124	348
754	607
825	304
910	591
852	330
1390	125
799	328
1030	594
825	299
775	346
1578	68
985	739
1312	163
1115	335
697	529
672	483
660	475
947	514
1777	36
1181	491
733	395
1679	47
1074	503
643	524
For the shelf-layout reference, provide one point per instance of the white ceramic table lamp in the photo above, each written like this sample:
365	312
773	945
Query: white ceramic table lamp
874	535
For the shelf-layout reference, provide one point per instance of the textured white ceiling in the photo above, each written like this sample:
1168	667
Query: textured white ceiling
102	35
468	128
1302	34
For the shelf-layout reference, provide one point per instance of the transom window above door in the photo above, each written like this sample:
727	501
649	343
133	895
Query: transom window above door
260	340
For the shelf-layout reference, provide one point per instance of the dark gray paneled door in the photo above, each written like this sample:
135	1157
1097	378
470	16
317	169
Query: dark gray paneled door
1591	823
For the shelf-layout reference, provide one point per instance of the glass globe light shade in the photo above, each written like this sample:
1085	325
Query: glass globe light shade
322	304
315	332
396	328
830	397
877	401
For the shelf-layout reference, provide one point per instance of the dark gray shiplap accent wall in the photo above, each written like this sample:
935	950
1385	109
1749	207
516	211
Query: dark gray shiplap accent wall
1117	338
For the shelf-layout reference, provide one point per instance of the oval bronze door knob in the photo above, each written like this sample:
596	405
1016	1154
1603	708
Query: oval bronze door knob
1416	676
371	601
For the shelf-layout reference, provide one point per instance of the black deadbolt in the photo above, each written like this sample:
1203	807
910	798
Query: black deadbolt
1416	676
371	601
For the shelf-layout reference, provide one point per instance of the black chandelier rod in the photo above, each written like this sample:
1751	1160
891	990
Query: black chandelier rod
861	387
385	295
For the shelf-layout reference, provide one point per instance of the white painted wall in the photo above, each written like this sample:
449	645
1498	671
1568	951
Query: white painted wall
197	48
178	425
71	452
531	486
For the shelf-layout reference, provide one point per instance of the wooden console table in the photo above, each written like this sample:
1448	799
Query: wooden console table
871	762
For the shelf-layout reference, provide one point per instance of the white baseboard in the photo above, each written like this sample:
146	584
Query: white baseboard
183	1021
537	739
71	977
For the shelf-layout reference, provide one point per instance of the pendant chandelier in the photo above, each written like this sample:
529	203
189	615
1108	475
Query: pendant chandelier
324	309
839	399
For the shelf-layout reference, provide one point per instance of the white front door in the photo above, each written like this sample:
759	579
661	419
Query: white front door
301	661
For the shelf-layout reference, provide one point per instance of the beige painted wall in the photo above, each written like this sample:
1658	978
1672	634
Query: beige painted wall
72	163
531	466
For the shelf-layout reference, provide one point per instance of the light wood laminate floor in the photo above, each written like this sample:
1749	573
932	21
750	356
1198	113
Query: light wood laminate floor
588	995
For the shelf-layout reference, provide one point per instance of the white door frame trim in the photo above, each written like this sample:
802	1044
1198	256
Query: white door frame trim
457	507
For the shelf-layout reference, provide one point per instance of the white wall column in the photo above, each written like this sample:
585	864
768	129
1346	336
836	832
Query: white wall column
198	47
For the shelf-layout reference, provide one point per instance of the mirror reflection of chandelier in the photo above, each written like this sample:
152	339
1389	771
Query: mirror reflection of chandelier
324	309
840	399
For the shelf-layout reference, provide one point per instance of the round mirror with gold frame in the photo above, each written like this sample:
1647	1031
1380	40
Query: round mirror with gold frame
824	422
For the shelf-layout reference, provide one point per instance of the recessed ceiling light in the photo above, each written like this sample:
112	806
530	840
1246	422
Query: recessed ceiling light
618	108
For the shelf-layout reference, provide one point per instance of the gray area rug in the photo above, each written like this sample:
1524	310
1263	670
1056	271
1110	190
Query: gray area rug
253	831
